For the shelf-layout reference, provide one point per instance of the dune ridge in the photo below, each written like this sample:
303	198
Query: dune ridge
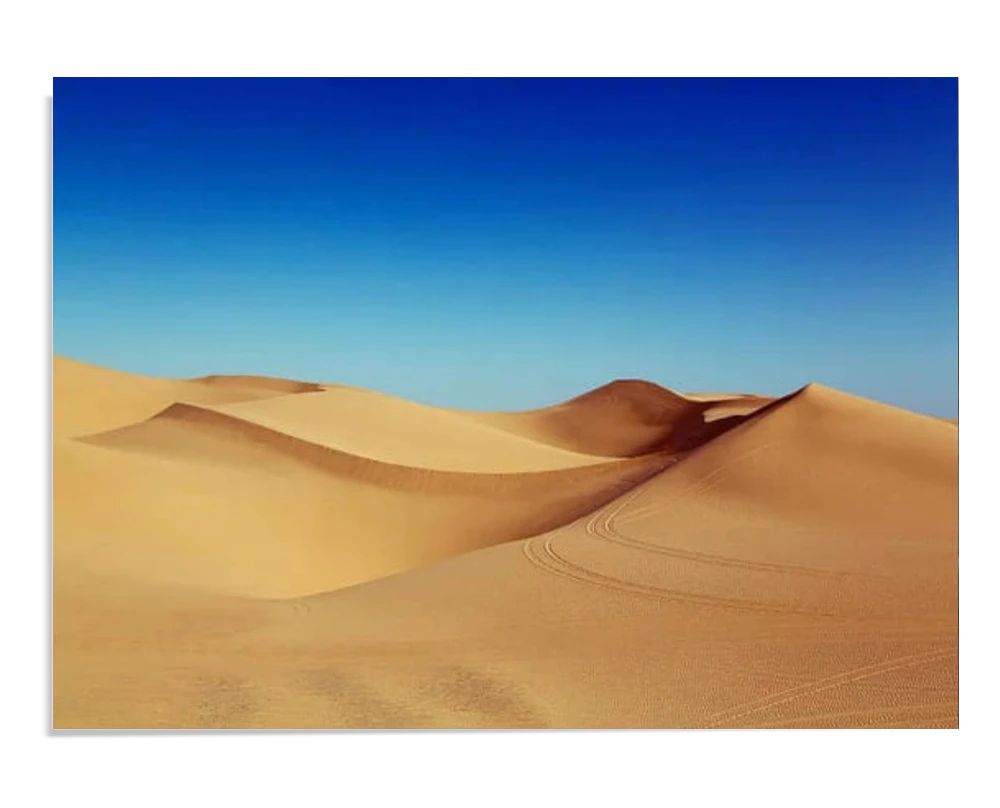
219	424
626	418
400	432
270	383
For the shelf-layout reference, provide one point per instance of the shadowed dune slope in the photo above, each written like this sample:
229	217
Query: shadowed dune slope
626	418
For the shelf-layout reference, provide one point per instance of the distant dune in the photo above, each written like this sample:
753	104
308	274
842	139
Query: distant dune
242	551
87	398
627	418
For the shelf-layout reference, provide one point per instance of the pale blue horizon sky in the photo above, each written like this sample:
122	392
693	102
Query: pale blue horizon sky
505	244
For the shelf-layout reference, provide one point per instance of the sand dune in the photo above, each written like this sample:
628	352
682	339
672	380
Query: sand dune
87	398
245	509
298	555
263	384
626	418
384	428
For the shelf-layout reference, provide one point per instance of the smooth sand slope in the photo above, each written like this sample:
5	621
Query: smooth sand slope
392	430
87	398
252	552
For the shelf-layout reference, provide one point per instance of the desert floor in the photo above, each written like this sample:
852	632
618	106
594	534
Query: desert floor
247	552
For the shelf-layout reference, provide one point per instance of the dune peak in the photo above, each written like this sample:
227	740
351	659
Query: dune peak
648	401
630	387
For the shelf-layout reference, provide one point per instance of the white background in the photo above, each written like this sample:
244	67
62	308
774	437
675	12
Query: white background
181	38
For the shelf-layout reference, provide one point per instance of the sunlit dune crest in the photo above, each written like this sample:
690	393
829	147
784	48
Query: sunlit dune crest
251	552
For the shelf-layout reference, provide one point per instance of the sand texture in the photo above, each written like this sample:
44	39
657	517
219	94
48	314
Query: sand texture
250	552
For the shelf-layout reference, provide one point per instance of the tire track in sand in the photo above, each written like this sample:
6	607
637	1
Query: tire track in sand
847	677
548	559
602	525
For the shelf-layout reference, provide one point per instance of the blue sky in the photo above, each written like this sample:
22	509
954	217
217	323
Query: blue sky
504	244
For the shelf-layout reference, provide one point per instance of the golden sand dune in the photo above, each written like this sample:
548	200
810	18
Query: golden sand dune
630	558
626	418
385	428
87	398
241	507
262	384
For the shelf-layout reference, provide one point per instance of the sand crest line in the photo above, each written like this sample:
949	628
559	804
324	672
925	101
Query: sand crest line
392	475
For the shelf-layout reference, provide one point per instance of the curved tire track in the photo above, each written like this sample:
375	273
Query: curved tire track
549	560
602	525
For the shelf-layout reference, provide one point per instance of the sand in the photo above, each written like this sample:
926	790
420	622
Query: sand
247	552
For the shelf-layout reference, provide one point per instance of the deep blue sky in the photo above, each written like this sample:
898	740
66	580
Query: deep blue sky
504	244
